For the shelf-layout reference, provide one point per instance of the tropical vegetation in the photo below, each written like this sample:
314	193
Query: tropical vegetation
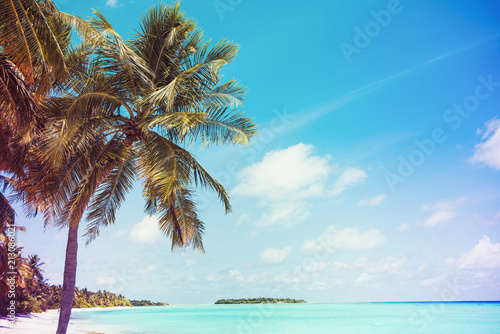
81	122
146	303
33	294
260	300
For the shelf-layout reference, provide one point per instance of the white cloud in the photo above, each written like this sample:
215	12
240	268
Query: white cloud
439	217
283	173
241	219
317	266
350	177
106	280
444	211
118	234
146	231
284	214
389	265
433	281
374	201
286	277
445	205
364	279
285	179
112	3
190	263
258	278
214	278
235	275
485	255
253	234
145	270
274	255
488	152
347	238
403	227
495	220
422	267
317	286
340	265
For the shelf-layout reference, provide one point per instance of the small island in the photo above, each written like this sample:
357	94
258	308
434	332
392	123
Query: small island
146	303
261	300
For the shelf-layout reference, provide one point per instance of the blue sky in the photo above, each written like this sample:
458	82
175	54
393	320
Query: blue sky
375	175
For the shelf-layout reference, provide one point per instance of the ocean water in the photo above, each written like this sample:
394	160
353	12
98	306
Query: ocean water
348	318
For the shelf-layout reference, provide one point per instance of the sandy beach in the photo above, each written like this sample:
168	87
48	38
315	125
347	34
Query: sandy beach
46	323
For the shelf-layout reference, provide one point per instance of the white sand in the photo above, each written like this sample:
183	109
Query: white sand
46	323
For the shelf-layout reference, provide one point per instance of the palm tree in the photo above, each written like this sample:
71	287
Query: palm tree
36	270
129	114
12	263
34	45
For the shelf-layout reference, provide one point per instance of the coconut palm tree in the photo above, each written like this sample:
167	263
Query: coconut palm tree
130	113
34	49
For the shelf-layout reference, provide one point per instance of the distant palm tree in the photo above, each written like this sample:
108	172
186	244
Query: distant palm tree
128	114
12	265
36	270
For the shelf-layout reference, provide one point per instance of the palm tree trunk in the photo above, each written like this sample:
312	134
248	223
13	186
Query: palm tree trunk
69	280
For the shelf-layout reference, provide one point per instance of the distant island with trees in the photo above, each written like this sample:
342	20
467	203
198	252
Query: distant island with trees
261	300
146	303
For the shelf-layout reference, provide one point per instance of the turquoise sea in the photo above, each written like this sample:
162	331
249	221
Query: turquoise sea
348	318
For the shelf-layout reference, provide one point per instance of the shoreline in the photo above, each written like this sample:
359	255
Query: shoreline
46	322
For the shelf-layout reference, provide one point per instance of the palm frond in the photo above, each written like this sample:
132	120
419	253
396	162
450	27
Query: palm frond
103	164
161	41
203	178
179	221
7	213
180	122
19	110
163	165
223	126
116	56
229	94
34	40
110	195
